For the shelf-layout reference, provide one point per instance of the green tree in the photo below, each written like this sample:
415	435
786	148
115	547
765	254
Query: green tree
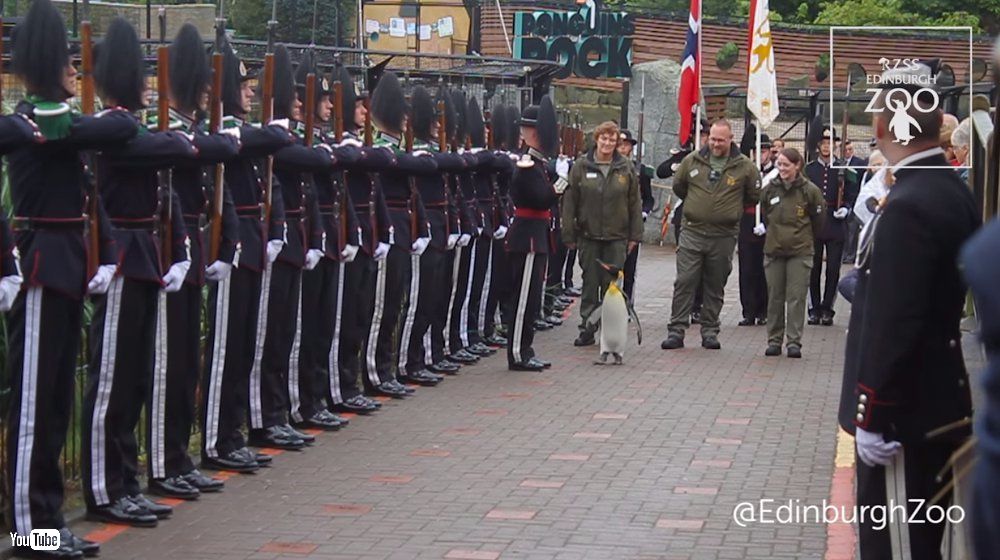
295	20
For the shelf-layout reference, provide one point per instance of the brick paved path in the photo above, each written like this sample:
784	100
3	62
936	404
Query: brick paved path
641	461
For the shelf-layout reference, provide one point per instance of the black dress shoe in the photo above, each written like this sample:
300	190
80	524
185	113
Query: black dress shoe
389	390
762	321
400	387
773	350
203	483
67	548
232	461
813	320
446	367
333	418
554	320
573	292
317	422
585	339
275	438
123	512
672	342
263	459
497	340
423	378
356	405
747	322
463	357
826	320
794	352
371	402
527	365
161	511
541	325
567	301
173	487
88	548
308	439
481	349
538	362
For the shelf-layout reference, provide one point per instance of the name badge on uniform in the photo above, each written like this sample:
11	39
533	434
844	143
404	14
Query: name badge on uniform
591	175
775	200
694	172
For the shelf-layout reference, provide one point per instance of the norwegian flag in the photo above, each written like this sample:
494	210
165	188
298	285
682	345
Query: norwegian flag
690	89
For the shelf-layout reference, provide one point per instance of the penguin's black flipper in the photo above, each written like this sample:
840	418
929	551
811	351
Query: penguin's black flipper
635	317
595	316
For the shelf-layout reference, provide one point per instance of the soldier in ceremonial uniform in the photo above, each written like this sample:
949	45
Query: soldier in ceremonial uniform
905	394
365	190
235	302
532	194
423	344
275	364
644	174
410	237
840	189
44	323
483	164
172	472
503	122
123	331
753	284
314	375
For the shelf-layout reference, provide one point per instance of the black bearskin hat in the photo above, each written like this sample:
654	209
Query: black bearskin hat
423	113
513	129
547	125
749	141
476	125
284	84
307	66
389	103
190	73
349	96
234	73
450	119
498	126
40	51
816	128
119	69
461	122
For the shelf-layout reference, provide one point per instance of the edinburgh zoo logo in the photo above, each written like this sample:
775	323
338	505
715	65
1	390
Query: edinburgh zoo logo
903	84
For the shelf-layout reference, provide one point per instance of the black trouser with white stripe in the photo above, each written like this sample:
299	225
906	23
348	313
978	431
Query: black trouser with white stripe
631	262
233	307
433	279
391	293
908	480
527	276
168	456
441	315
500	289
44	330
570	267
313	371
458	310
122	342
479	288
269	379
356	320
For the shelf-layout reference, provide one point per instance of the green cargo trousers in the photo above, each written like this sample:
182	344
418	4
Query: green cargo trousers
595	278
705	261
787	286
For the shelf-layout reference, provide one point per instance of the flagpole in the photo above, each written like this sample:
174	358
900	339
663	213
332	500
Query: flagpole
697	113
757	163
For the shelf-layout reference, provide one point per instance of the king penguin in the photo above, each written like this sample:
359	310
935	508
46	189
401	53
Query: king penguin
614	314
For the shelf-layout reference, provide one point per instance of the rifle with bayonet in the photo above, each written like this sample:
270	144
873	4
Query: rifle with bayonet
87	108
267	111
163	125
338	135
642	121
215	125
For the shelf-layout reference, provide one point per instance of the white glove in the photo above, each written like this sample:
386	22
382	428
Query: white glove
350	142
420	245
312	258
645	215
759	229
9	287
349	252
420	153
562	167
283	123
381	252
464	240
101	281
452	240
873	449
841	213
274	247
234	132
479	231
174	279
218	271
500	233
